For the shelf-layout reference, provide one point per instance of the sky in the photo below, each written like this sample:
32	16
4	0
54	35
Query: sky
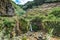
21	1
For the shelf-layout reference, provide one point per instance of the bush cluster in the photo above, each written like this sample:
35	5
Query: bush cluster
55	25
7	25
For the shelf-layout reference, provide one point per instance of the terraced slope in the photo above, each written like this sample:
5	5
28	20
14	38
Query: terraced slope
40	10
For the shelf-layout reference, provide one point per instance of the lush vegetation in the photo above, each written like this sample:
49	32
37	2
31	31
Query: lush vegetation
34	3
48	20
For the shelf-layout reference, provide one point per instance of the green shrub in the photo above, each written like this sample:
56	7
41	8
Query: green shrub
55	25
9	25
1	25
24	25
56	12
24	38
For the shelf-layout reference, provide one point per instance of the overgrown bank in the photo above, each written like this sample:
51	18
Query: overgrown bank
44	17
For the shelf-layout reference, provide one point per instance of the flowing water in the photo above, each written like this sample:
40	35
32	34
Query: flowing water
31	28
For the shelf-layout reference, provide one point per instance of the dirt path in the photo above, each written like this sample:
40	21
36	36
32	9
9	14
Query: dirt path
36	35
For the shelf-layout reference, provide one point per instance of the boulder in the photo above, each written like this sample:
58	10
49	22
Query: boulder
6	8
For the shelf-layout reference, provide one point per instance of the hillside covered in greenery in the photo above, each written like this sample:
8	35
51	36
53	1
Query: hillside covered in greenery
35	20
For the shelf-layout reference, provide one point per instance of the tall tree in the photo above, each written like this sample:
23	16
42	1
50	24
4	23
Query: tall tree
38	2
52	0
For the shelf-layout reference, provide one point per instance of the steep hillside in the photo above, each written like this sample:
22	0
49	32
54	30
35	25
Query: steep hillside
18	10
40	10
47	13
40	22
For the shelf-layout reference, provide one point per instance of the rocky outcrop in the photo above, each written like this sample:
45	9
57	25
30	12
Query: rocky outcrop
6	8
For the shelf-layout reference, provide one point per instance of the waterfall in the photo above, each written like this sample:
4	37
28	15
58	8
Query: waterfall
31	28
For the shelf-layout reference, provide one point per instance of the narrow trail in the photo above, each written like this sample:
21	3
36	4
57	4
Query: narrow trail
16	30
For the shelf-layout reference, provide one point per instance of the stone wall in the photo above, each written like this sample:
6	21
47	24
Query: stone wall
6	8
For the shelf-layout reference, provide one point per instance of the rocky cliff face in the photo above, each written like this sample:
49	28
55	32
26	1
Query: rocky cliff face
6	8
